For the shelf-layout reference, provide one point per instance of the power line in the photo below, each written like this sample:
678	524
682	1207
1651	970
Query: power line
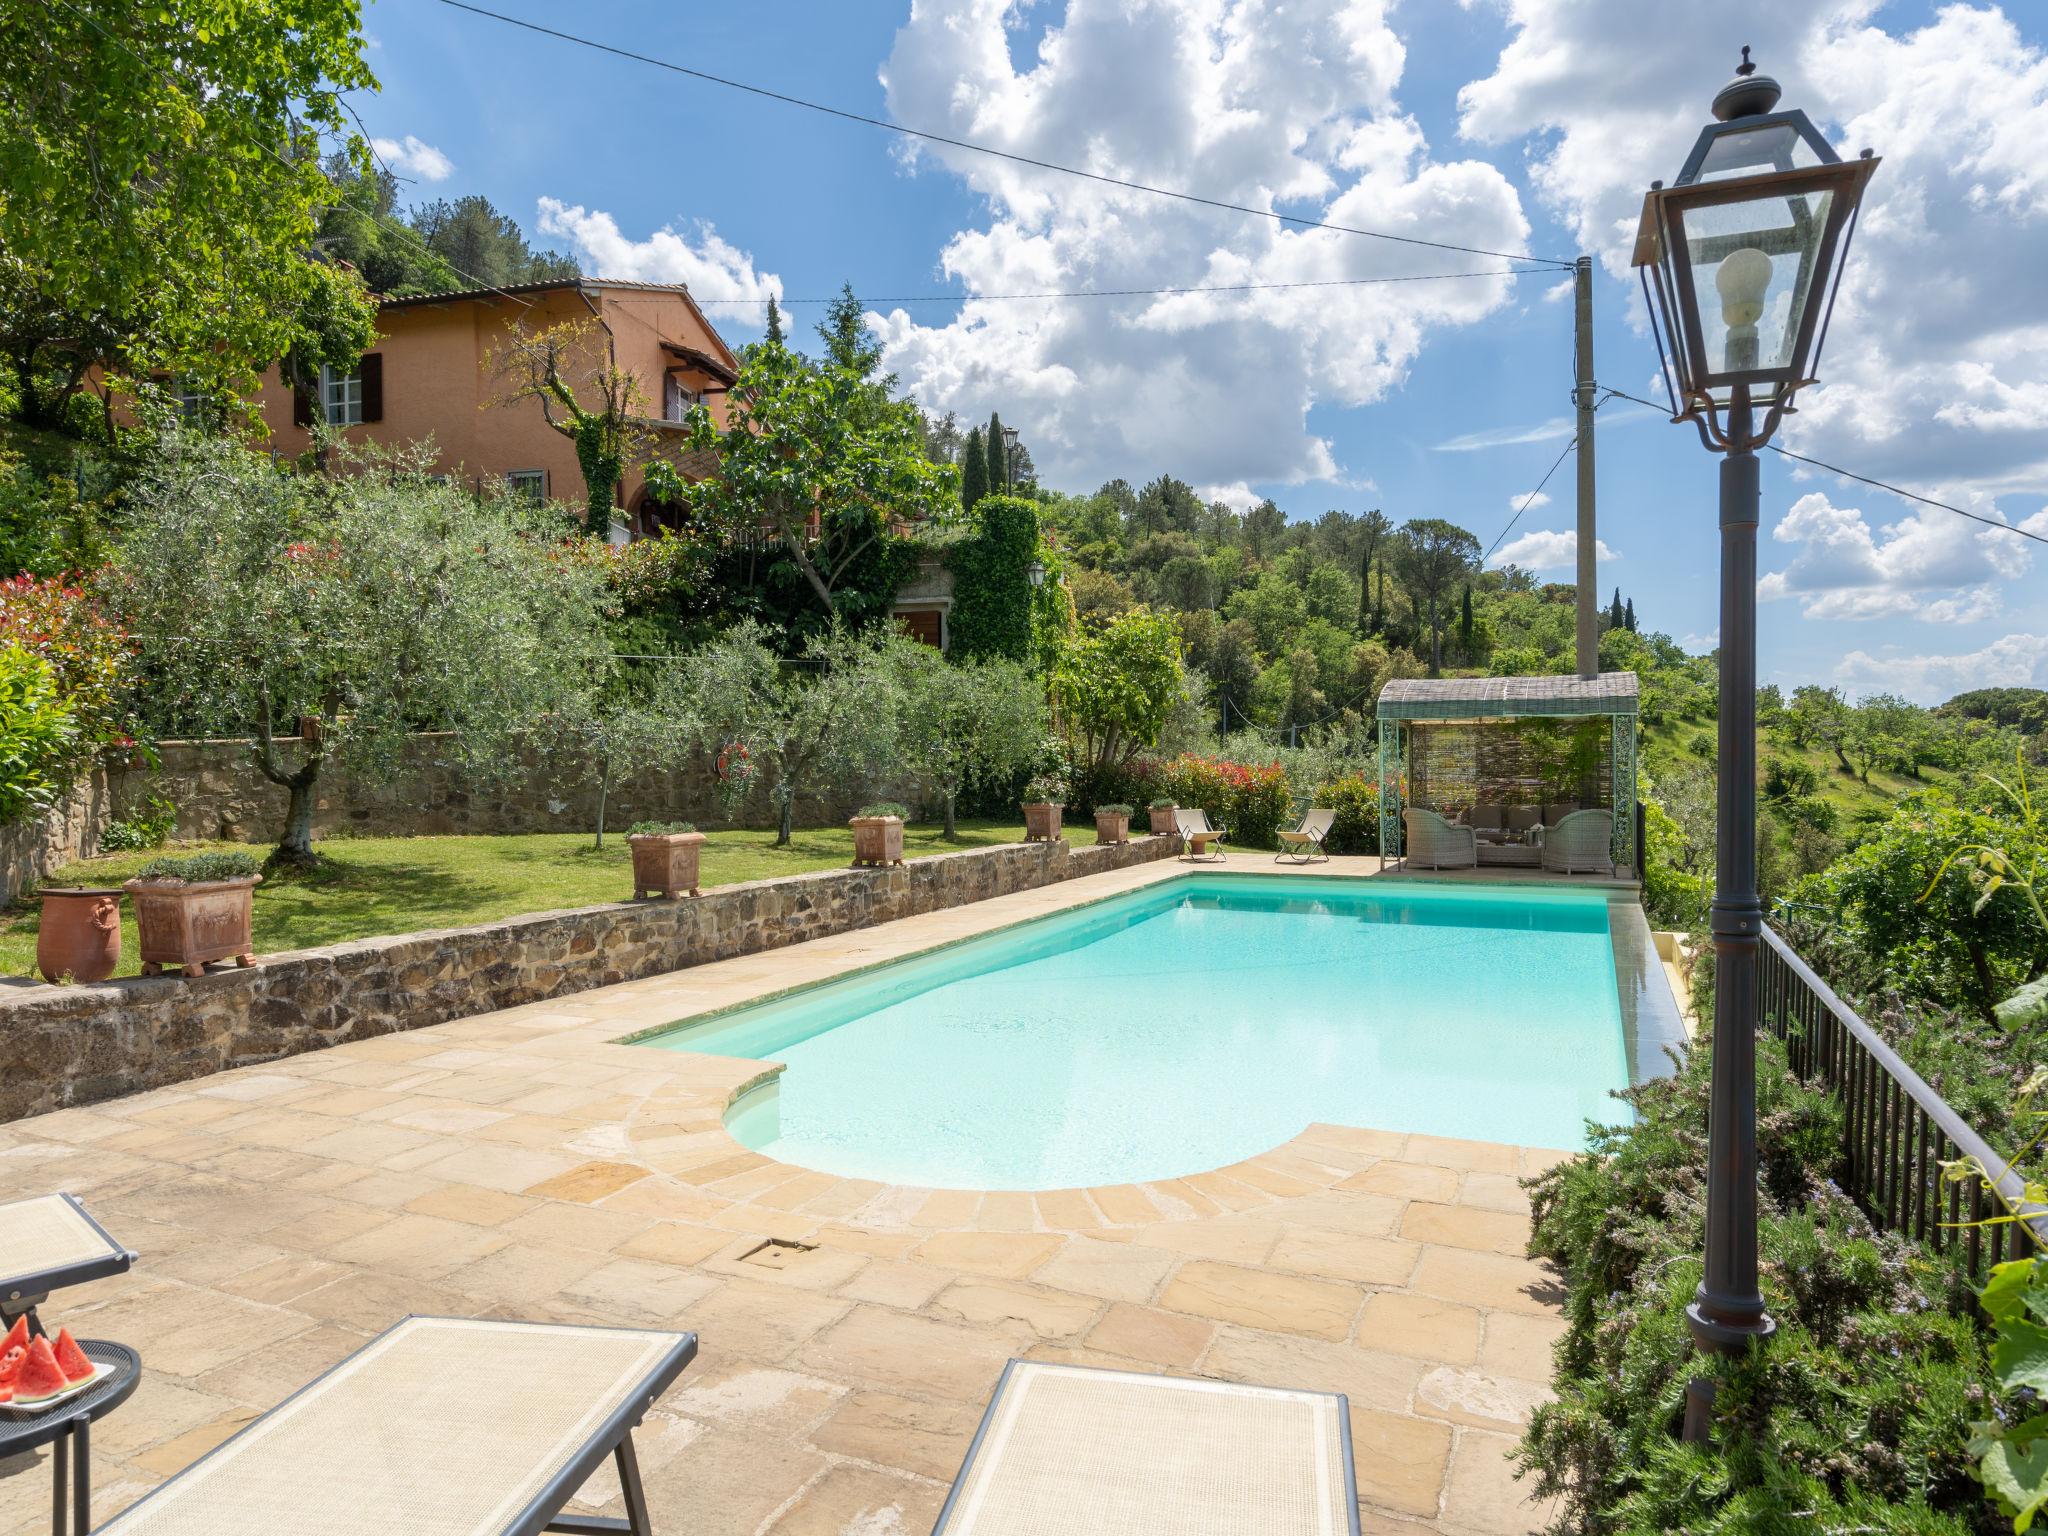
1133	293
983	149
1527	500
1850	474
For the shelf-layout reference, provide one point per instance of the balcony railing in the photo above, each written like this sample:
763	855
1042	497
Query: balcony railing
1898	1131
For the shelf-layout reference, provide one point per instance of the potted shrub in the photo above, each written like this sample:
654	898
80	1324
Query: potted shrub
1045	797
1112	824
80	935
195	909
878	834
664	857
1163	824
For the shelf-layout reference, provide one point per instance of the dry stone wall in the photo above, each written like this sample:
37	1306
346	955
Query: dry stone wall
62	1046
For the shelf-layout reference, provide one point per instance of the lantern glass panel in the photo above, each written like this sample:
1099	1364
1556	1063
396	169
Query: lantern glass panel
1751	151
1753	264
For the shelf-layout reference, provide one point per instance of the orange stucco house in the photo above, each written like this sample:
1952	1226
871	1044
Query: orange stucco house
427	376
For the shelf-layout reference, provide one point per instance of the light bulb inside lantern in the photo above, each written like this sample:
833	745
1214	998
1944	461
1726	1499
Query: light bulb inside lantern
1741	280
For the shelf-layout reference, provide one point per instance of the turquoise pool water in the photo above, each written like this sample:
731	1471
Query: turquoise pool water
1191	1025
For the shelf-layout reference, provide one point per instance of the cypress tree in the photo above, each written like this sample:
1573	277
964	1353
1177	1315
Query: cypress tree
774	336
1628	616
1465	620
998	469
1614	611
973	470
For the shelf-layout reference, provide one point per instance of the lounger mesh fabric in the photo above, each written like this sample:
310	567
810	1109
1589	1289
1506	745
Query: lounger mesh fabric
1071	1450
440	1427
47	1233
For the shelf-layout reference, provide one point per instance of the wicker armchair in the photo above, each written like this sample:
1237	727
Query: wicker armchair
1580	843
1436	844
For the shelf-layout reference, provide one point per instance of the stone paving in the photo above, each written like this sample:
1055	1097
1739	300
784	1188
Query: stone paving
523	1164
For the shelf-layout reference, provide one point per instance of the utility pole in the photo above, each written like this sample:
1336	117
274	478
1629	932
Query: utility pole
1588	637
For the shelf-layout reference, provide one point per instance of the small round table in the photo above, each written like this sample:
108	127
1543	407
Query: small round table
65	1426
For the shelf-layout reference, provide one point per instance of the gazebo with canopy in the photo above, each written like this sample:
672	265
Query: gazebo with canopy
1534	746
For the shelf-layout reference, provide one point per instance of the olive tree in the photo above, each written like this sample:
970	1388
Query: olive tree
977	722
348	613
827	718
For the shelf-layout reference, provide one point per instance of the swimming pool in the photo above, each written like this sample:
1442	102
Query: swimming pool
1190	1025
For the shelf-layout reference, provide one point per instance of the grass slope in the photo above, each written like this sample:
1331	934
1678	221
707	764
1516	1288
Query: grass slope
387	885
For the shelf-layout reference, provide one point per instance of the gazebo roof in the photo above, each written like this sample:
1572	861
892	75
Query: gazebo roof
1507	698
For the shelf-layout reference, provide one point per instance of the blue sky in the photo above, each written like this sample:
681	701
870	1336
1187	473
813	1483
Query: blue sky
1520	125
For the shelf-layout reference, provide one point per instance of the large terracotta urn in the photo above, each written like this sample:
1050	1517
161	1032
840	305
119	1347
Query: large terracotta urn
1112	824
184	924
1042	821
80	936
877	840
665	863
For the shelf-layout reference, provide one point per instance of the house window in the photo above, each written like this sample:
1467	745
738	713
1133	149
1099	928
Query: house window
678	398
194	404
530	483
341	397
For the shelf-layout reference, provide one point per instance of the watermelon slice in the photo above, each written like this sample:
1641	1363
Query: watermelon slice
70	1358
17	1336
10	1366
41	1376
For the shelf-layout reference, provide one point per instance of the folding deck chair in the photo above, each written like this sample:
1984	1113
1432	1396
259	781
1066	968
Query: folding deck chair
1199	840
439	1426
47	1243
1304	845
1074	1448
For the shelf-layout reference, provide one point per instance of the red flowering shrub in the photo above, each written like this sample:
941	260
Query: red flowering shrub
89	655
1251	800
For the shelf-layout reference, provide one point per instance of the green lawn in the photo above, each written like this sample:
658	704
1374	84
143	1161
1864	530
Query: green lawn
384	885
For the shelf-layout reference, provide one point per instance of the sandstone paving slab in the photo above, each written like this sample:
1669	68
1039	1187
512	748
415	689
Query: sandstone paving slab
1150	1336
1233	1293
923	1436
1482	1496
1421	1327
851	1499
909	1354
1025	1311
1518	1345
1465	1226
1112	1270
1004	1255
1310	1250
1474	1397
1401	1180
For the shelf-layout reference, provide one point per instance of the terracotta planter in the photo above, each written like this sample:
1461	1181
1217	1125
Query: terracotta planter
877	840
80	936
186	924
1042	822
1163	824
664	863
1111	828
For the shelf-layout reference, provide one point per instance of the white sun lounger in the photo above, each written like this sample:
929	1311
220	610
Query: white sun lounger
1304	845
1199	840
1068	1449
439	1426
46	1243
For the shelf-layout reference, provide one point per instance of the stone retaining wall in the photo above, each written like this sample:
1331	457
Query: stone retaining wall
62	1046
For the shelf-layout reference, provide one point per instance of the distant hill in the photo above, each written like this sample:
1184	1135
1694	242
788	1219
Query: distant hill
2022	709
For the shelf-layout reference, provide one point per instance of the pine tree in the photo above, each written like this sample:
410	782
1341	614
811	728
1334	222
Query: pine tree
973	471
998	469
774	336
848	341
1628	616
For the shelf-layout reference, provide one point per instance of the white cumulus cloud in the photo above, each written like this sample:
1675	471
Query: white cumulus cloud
1548	551
2012	661
1929	564
1936	369
710	266
413	158
1277	104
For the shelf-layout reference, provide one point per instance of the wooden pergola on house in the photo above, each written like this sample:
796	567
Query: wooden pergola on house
1510	752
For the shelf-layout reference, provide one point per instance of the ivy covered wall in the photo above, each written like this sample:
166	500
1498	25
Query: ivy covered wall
992	595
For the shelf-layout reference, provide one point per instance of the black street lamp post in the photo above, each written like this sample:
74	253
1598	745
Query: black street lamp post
1765	209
